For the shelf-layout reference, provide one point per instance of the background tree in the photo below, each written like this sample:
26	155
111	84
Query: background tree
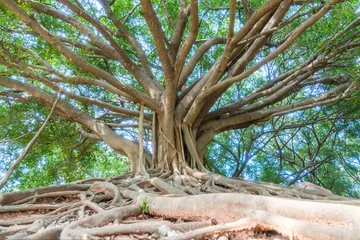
306	146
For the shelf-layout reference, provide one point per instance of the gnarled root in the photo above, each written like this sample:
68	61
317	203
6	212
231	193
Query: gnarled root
181	202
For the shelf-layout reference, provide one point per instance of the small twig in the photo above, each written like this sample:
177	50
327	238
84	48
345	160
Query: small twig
171	22
15	139
129	14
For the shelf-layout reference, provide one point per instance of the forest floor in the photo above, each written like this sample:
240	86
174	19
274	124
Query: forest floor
168	206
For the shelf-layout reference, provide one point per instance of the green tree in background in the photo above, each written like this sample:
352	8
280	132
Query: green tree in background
321	148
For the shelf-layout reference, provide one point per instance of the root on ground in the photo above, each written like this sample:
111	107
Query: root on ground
169	206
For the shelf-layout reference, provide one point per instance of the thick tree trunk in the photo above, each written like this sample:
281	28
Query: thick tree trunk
170	152
177	148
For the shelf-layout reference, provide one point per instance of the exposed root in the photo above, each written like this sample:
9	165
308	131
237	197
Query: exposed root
108	189
74	229
14	196
175	206
261	220
218	205
33	198
164	187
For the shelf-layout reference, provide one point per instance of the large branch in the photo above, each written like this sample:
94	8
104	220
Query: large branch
283	47
326	98
150	85
159	39
135	44
232	18
274	95
91	81
218	69
46	66
190	40
179	28
116	142
189	95
27	72
106	50
84	29
49	83
260	42
58	45
287	79
248	27
209	130
190	66
217	89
